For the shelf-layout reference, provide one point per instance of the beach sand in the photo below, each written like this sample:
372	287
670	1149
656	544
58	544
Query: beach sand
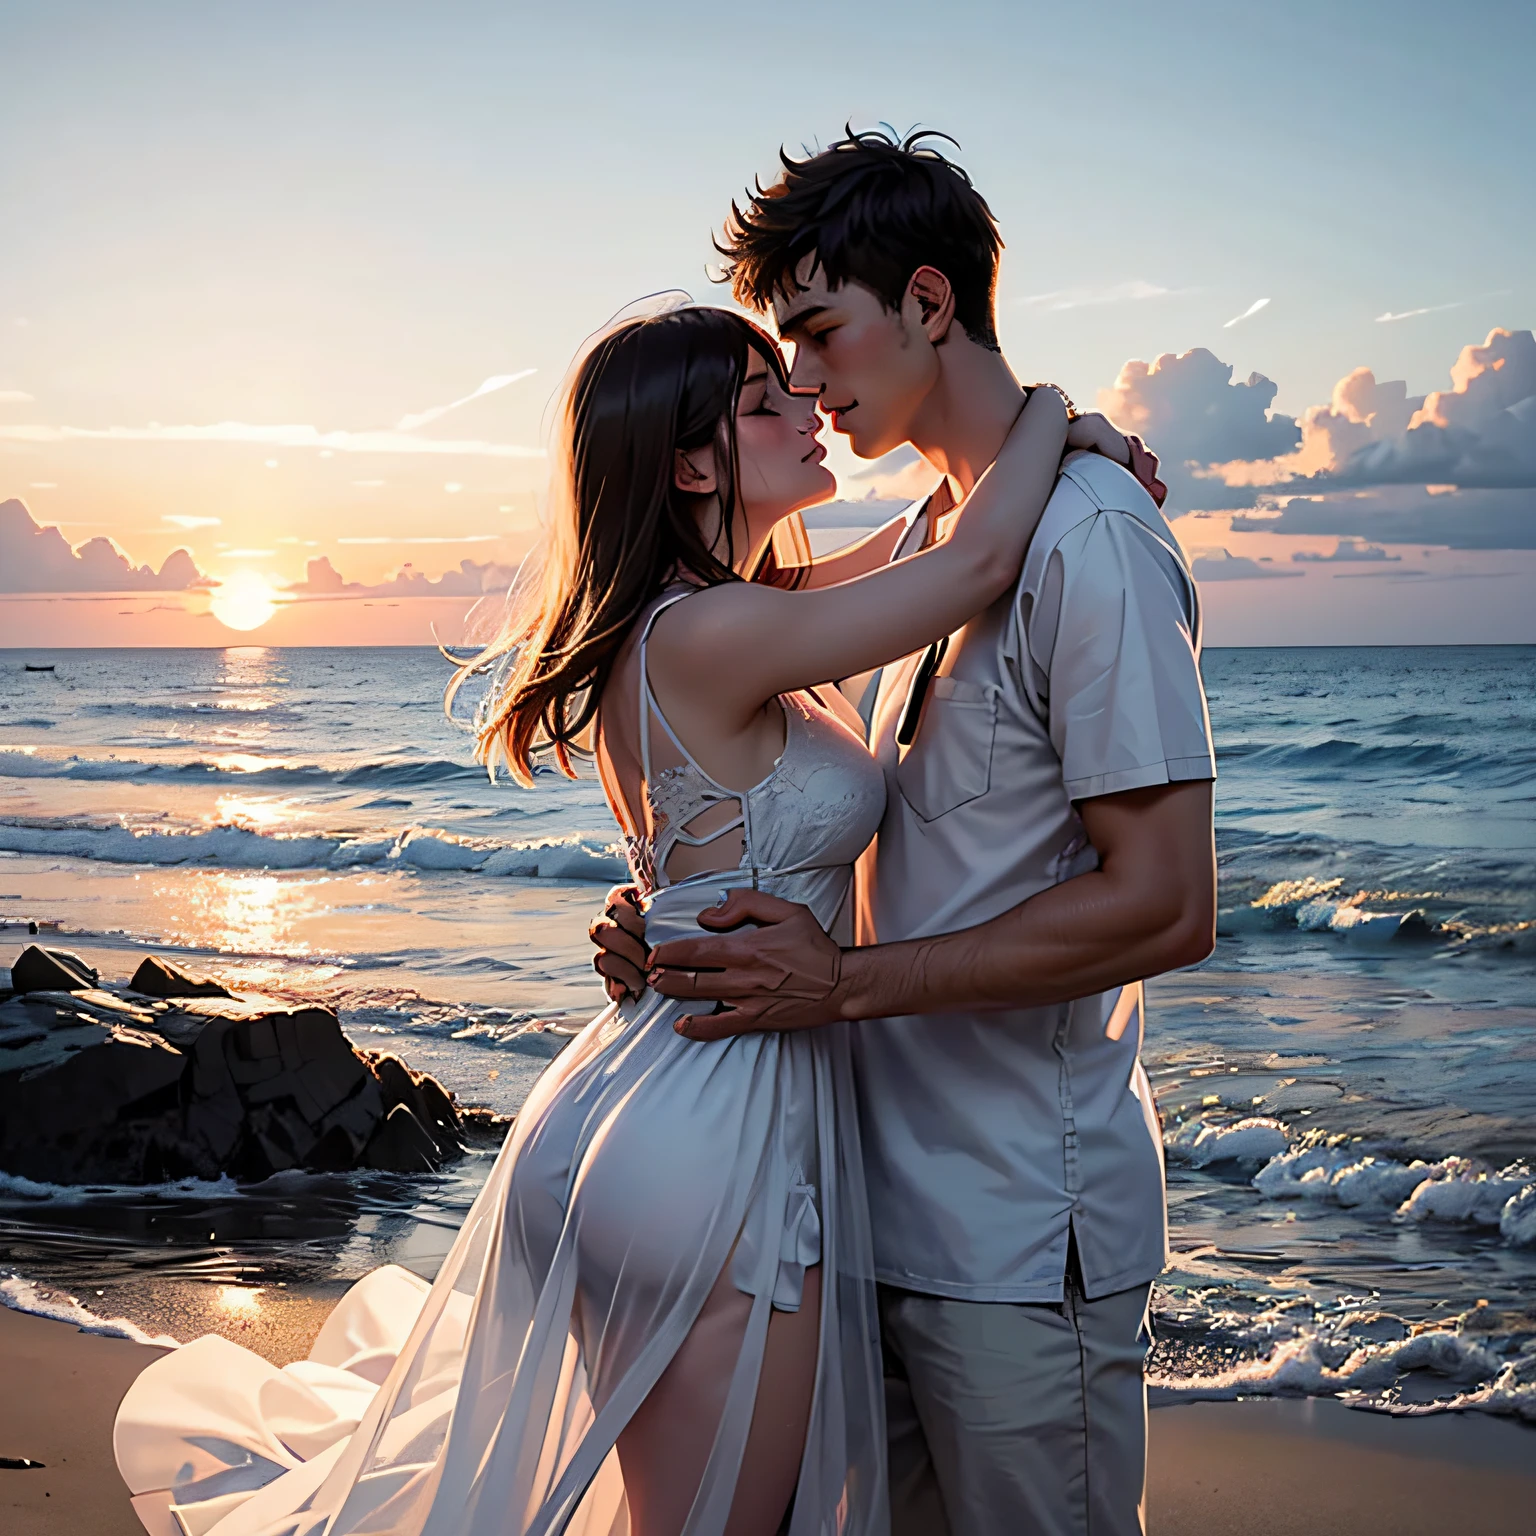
1312	1467
60	1394
1254	1468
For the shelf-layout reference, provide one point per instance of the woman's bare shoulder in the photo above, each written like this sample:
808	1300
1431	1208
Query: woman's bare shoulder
707	625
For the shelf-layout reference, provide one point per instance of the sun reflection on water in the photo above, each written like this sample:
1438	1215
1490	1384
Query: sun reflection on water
251	811
250	911
240	1300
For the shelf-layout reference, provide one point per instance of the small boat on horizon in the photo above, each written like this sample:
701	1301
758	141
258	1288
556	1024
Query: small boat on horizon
38	666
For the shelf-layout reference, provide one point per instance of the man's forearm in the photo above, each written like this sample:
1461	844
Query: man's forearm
1150	907
1073	940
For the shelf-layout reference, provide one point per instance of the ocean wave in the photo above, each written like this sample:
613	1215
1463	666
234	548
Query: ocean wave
1253	1140
387	773
1413	758
1343	1171
25	1296
1219	1344
14	1188
1464	755
231	847
139	710
1315	905
1317	1363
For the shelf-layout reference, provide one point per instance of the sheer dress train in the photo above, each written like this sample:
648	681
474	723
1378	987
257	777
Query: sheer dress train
641	1166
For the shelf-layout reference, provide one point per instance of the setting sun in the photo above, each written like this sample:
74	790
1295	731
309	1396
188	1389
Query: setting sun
244	601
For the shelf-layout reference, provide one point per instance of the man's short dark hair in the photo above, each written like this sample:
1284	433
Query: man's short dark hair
873	208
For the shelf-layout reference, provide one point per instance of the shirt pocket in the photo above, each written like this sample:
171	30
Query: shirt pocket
950	763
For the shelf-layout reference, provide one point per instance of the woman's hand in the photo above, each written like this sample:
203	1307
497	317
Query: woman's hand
619	934
1098	434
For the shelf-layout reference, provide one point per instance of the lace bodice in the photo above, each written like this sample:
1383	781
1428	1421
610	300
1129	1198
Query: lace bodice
802	826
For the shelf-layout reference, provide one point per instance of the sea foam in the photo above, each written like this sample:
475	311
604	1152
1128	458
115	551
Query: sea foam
1339	1171
234	847
24	1296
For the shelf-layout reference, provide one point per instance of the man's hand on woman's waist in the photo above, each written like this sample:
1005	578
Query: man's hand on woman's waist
1150	907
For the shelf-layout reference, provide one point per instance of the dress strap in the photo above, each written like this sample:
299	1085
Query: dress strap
711	791
648	704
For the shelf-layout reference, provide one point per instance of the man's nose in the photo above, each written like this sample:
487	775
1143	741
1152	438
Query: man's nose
802	375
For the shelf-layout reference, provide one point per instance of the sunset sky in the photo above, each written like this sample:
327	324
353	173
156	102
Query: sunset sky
284	283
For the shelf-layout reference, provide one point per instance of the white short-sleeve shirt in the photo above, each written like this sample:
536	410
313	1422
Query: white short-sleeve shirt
990	1138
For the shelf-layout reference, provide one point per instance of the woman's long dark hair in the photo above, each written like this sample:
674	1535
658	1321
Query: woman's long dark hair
619	529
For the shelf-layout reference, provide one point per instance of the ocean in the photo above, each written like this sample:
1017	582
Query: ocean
1348	1086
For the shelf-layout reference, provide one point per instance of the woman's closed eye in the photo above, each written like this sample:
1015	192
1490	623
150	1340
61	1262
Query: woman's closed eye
757	399
754	395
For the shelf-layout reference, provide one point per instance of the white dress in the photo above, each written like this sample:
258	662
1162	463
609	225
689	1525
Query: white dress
489	1403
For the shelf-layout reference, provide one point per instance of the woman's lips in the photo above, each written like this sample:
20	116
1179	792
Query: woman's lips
817	454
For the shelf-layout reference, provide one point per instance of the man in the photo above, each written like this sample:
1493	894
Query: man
1047	845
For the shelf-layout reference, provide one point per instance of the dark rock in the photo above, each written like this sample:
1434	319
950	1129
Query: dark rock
402	1145
98	1086
159	978
51	970
431	1107
274	1086
85	1095
484	1128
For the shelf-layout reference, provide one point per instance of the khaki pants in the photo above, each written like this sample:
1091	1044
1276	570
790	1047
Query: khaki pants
1016	1420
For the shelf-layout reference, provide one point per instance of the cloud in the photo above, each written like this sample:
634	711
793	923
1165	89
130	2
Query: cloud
1437	309
1345	551
489	387
1480	433
1454	467
448	538
34	558
1222	565
1470	519
271	436
474	578
1248	313
178	520
1191	413
1116	293
1413	314
14	397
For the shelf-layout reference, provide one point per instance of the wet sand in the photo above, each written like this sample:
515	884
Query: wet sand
1312	1467
1254	1468
60	1394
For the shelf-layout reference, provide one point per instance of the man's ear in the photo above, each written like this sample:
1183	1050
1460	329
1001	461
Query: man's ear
935	301
693	470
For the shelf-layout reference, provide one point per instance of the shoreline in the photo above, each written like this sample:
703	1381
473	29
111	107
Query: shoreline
1255	1467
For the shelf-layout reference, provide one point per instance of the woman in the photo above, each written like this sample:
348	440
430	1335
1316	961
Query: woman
658	1316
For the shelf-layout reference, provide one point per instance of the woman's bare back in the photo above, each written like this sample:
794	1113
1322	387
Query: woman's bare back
737	756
